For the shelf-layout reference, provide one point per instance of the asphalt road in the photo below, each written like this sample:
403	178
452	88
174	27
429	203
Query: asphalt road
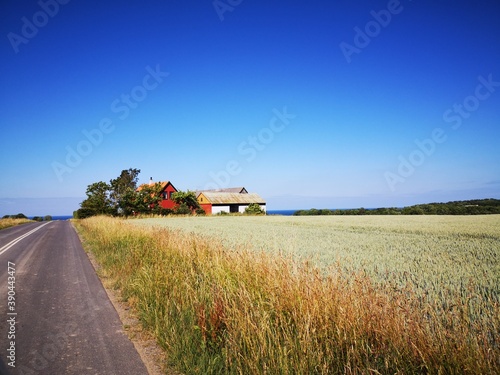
61	321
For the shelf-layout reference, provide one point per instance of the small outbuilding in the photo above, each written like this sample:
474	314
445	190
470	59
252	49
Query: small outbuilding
230	200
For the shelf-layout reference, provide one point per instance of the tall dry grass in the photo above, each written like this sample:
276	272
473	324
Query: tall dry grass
8	222
234	311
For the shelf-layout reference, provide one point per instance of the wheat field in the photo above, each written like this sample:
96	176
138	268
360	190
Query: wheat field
310	295
436	253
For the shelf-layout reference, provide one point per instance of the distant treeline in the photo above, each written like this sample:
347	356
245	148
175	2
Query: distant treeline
23	216
470	207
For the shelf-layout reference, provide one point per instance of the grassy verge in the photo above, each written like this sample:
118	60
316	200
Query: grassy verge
6	223
216	310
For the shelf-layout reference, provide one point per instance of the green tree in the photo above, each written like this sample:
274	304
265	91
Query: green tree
144	200
83	213
200	212
121	187
127	204
98	200
47	218
183	209
186	201
151	197
412	210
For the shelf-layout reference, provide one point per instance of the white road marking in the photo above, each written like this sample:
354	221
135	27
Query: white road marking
16	240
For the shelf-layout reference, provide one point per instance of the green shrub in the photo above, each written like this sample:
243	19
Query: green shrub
254	209
83	213
183	209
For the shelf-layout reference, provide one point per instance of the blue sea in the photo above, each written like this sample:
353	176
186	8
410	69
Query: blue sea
63	217
281	212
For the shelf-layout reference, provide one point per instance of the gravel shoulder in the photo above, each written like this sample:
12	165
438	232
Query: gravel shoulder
150	352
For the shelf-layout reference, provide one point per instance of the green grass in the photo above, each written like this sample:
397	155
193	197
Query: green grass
306	295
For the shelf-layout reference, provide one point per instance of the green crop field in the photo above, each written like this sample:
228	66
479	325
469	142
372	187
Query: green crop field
437	254
310	295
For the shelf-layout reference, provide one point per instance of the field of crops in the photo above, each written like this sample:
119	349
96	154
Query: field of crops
439	255
310	295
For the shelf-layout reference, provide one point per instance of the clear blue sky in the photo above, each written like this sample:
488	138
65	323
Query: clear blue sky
308	103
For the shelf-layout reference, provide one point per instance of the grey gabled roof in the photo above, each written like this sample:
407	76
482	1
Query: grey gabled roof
232	198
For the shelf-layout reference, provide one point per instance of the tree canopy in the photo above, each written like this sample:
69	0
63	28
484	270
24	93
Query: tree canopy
122	187
144	200
98	200
187	199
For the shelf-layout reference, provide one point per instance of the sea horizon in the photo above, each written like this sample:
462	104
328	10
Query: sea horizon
285	212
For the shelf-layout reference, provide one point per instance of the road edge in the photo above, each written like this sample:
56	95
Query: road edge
152	355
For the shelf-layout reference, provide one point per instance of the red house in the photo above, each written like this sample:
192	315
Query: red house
166	193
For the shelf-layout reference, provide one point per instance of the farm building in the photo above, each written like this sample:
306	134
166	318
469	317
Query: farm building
166	193
228	200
